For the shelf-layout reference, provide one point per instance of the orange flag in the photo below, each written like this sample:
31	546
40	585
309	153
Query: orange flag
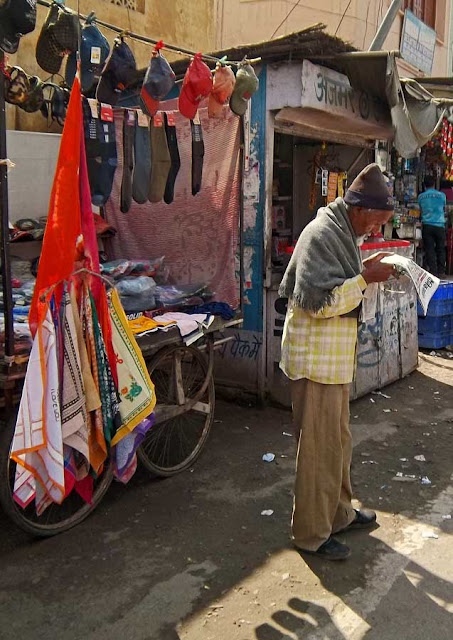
58	253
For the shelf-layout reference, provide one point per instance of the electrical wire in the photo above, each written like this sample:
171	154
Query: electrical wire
342	17
146	40
285	19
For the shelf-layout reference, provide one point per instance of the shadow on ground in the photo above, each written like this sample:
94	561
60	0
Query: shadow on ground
158	553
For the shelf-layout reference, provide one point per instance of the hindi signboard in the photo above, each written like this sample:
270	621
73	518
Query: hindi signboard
329	91
418	43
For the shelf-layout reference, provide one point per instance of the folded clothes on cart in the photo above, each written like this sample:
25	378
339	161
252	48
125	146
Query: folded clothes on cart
221	309
137	293
182	295
191	326
22	338
143	325
119	268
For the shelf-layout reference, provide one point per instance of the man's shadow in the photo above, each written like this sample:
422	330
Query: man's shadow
384	592
302	619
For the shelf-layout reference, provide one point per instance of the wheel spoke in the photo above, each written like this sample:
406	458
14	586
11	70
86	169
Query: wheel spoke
175	442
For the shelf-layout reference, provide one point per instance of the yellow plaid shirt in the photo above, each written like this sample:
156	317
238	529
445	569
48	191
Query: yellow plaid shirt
321	346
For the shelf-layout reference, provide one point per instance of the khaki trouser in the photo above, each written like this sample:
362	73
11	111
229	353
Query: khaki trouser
322	496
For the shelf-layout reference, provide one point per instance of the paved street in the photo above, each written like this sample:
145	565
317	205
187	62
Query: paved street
192	557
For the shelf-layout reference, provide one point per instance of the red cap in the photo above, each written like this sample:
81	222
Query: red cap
196	86
152	106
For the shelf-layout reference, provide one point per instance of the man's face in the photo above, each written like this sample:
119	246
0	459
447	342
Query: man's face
367	221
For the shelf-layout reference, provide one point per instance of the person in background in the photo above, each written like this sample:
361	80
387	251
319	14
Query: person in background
325	283
432	205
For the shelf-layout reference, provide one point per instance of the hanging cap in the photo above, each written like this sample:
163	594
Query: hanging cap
35	97
17	17
224	82
369	190
246	85
196	86
159	81
119	73
55	102
94	51
17	86
59	36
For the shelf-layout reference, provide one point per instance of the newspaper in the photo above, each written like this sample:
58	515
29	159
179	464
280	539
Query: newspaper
424	282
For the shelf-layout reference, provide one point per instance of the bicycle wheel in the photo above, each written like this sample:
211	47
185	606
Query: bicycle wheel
172	445
56	518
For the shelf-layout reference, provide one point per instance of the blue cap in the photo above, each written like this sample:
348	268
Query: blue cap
119	73
94	51
159	81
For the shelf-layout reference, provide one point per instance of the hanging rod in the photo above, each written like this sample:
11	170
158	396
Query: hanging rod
146	40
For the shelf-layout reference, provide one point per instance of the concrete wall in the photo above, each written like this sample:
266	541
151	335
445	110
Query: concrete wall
244	21
189	25
30	181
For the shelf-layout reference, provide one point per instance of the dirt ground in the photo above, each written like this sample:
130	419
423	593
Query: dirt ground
192	557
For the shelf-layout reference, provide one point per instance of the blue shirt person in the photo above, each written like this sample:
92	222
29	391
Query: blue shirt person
432	205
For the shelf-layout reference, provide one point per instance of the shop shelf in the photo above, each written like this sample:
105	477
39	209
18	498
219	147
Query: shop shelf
435	340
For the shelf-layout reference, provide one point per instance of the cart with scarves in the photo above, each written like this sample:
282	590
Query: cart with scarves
166	431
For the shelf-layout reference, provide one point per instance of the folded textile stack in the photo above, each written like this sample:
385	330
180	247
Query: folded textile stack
192	327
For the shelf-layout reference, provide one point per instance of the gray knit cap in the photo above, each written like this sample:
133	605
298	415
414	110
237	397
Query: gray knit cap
369	190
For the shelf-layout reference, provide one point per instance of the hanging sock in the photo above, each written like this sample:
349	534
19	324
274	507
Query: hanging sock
197	156
142	165
172	141
160	159
101	154
128	160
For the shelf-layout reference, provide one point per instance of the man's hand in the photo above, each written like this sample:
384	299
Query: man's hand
377	271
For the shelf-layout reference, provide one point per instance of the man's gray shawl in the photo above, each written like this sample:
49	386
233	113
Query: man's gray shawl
326	255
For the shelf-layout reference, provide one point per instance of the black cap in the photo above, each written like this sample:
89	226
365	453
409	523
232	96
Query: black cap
59	36
119	73
17	18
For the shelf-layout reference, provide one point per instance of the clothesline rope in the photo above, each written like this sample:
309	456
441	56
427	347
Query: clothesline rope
146	40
